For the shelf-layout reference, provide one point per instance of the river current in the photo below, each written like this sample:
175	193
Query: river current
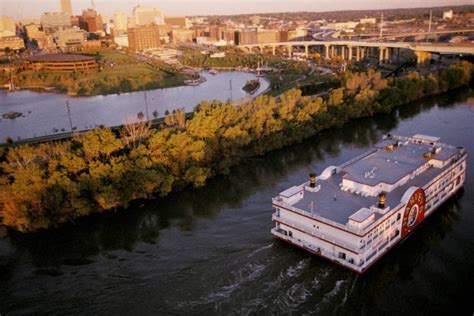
210	251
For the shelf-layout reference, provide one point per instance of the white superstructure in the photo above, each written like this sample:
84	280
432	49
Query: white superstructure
354	213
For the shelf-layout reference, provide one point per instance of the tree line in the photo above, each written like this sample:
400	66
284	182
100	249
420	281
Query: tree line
47	184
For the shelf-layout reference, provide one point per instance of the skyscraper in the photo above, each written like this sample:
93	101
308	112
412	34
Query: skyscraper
147	15
66	7
120	22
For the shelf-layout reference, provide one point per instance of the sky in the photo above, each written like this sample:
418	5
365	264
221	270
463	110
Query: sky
32	8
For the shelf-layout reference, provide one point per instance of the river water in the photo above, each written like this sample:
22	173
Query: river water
209	251
46	113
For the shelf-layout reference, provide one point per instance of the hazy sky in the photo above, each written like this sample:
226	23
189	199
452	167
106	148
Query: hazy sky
27	8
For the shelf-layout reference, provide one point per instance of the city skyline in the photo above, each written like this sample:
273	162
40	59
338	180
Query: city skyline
29	8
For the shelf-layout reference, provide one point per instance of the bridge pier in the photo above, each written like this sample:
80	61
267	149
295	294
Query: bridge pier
382	54
343	52
290	51
388	58
306	50
423	58
326	50
357	53
274	50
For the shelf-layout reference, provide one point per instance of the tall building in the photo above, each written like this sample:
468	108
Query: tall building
120	23
33	31
71	36
147	15
66	7
54	20
7	26
91	21
144	37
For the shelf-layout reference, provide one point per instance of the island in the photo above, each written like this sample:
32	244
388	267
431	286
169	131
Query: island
251	86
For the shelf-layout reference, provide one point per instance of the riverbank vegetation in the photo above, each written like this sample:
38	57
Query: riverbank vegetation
286	73
48	184
117	73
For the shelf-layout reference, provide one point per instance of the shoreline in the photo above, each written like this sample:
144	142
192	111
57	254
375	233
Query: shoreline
295	129
7	231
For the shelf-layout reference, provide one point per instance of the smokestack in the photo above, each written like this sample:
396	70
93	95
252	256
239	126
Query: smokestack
382	196
312	180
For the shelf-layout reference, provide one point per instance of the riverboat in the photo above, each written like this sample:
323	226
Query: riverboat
213	72
354	213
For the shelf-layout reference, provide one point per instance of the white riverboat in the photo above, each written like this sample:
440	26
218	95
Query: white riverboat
354	213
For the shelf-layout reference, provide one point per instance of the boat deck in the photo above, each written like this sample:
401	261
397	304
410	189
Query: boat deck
332	203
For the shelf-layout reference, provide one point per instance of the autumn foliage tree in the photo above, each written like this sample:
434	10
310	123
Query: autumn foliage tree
42	186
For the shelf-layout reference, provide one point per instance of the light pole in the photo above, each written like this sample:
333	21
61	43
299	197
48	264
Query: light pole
69	114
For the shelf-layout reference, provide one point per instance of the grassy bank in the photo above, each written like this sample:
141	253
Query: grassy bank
45	185
118	73
285	76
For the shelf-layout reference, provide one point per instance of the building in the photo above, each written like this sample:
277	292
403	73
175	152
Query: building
29	20
372	21
90	21
55	20
61	62
448	15
341	26
354	213
247	37
33	31
121	40
176	21
182	36
217	33
43	40
11	42
66	7
144	37
70	36
7	26
267	36
147	15
120	23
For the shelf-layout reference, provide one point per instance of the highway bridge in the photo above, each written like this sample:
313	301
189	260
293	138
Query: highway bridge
374	36
386	51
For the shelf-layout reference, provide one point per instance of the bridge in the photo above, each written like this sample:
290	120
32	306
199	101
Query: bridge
376	36
387	52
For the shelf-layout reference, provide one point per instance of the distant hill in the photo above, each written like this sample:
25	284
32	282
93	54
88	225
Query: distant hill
389	14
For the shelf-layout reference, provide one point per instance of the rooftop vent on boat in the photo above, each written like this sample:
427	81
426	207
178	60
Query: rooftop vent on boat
382	196
428	155
389	147
312	179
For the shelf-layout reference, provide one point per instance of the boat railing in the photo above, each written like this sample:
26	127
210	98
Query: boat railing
317	250
315	233
359	157
278	202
